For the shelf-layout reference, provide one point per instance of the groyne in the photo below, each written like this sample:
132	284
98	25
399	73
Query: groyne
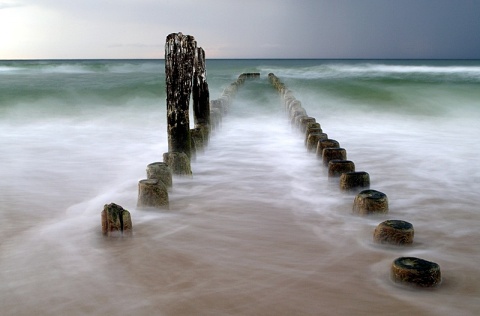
186	79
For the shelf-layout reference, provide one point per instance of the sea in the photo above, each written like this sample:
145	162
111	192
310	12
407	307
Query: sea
259	228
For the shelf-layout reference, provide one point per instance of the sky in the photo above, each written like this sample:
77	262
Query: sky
83	29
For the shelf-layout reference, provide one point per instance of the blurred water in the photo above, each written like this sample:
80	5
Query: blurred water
259	229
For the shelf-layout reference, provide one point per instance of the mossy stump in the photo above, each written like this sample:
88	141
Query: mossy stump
395	232
356	180
160	171
116	221
370	202
337	167
333	154
178	162
416	272
152	193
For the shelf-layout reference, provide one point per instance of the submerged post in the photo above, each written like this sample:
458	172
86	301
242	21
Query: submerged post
179	64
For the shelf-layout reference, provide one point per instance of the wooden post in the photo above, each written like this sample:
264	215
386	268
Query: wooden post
326	143
395	232
116	221
313	139
152	193
180	53
179	163
337	167
333	153
201	95
415	271
160	171
353	181
370	202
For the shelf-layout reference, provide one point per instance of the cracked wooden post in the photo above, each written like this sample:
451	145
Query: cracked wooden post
201	95
116	221
180	53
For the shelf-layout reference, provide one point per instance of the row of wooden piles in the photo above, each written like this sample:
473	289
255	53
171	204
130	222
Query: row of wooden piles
186	82
367	201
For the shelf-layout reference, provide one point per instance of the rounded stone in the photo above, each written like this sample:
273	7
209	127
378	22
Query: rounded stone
395	232
416	271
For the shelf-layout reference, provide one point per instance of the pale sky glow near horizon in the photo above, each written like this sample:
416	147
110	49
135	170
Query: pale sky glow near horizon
136	29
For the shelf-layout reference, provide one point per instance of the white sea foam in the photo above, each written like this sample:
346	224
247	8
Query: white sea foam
369	70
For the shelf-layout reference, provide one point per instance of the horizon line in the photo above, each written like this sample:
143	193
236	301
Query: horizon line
263	58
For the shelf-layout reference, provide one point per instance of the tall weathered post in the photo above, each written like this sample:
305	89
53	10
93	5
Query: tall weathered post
179	63
200	94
